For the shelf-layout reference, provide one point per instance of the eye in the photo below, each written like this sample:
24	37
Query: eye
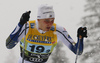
52	21
46	21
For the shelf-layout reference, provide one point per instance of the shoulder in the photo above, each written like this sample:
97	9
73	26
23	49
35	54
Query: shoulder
60	28
32	21
57	27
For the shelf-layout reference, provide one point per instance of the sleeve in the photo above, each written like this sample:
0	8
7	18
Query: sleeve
64	37
17	34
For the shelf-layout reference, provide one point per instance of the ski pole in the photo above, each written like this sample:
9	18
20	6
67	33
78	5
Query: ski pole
83	34
25	15
24	44
78	49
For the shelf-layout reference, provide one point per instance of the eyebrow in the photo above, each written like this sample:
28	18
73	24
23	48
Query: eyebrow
49	20
47	12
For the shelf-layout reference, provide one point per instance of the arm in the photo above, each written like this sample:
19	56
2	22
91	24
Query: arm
68	41
18	32
16	36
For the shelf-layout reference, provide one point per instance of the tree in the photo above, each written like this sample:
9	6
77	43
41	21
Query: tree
59	55
92	22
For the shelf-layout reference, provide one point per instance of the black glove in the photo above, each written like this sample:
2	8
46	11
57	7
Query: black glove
25	17
82	31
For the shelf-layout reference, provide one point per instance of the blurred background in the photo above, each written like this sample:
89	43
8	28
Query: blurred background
71	14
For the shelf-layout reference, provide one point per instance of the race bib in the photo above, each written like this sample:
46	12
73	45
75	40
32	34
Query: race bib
38	48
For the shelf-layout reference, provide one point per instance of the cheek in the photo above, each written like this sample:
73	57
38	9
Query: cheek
52	23
44	25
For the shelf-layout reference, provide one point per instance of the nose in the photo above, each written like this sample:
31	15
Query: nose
50	23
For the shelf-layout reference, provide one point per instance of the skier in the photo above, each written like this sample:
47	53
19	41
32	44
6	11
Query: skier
42	36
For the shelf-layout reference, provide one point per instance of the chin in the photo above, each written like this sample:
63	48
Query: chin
48	30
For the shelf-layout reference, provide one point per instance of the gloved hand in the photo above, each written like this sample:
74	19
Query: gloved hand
25	17
82	31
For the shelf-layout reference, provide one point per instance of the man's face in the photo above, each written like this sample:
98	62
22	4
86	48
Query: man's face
46	24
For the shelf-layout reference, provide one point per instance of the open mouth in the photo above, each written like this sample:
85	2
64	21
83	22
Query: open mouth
48	28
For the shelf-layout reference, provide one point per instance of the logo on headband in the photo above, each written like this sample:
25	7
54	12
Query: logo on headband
50	15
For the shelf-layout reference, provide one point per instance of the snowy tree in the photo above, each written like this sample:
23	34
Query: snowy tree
59	55
91	52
